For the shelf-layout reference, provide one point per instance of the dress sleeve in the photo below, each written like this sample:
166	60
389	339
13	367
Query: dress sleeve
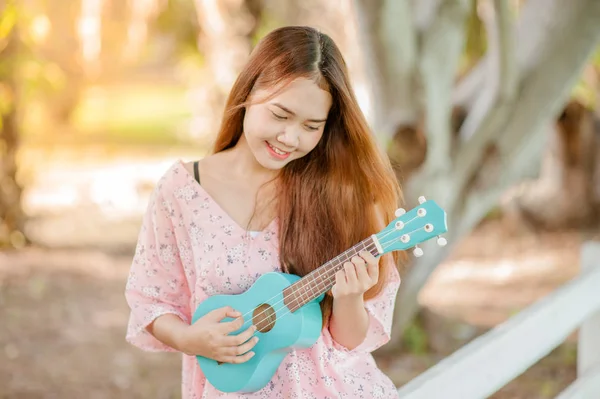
380	310
157	283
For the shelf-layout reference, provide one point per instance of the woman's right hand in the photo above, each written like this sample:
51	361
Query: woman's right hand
210	338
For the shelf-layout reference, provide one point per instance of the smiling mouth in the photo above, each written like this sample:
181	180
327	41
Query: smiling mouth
277	152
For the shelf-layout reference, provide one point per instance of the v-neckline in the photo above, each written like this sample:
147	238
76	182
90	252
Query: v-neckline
224	213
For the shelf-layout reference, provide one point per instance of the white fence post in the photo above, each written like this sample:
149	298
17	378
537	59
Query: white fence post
588	346
587	385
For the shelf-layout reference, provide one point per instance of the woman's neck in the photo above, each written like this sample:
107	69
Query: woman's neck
244	165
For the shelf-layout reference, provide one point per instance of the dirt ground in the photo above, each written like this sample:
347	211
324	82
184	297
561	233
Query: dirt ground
63	313
63	318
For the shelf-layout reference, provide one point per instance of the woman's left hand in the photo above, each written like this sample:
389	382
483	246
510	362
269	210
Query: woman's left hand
356	277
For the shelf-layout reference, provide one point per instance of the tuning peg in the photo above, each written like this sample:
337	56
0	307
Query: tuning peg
418	252
400	211
441	241
422	199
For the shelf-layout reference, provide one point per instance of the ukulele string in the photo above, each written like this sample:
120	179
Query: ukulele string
284	297
369	248
270	324
328	279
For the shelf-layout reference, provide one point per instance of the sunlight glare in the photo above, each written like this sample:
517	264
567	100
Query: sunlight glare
89	26
40	28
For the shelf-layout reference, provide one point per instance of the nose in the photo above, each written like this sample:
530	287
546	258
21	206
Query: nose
289	138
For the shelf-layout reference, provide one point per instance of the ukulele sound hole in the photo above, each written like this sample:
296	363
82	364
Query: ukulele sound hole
264	318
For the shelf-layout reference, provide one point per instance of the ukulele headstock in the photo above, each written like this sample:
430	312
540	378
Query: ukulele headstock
410	228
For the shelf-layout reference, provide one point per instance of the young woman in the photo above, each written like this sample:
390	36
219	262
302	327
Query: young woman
295	178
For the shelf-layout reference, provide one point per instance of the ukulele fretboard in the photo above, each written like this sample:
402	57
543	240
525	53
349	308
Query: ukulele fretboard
322	279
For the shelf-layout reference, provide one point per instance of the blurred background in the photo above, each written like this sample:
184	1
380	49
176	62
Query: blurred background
489	107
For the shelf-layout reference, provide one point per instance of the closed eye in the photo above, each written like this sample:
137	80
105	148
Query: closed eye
278	117
312	128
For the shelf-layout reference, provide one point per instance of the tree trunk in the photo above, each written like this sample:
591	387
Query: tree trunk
503	149
11	214
385	25
64	47
442	40
403	43
566	178
225	40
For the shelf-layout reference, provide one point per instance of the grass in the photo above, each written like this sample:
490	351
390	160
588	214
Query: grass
145	114
132	114
117	122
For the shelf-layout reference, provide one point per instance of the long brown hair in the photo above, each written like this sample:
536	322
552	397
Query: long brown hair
342	191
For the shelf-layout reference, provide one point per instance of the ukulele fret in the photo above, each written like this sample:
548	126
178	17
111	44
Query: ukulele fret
322	279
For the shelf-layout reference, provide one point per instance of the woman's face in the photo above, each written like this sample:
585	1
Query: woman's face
289	125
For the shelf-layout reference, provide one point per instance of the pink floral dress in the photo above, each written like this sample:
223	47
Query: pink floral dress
189	249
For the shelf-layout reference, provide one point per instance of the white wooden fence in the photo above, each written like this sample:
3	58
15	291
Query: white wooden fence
491	361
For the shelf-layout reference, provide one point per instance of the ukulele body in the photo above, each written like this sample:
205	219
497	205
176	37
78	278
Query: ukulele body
279	331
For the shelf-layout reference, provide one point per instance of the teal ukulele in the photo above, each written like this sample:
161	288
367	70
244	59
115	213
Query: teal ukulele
285	308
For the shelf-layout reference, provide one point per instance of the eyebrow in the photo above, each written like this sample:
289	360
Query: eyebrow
289	111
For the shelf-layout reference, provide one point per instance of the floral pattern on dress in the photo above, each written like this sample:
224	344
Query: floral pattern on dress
188	249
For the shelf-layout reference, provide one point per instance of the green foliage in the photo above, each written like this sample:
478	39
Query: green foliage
179	20
494	213
33	74
8	19
267	23
568	354
39	76
476	38
595	59
415	338
549	389
585	89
